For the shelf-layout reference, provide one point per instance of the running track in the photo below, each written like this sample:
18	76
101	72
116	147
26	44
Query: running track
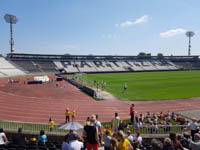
36	103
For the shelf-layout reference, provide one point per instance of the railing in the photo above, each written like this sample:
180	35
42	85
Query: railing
30	127
146	129
160	129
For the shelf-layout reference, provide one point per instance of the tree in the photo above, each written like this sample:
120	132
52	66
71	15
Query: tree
160	55
144	55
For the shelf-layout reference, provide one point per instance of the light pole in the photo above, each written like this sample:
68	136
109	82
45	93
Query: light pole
12	20
189	34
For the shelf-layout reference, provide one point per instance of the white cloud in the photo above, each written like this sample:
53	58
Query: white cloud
172	32
128	23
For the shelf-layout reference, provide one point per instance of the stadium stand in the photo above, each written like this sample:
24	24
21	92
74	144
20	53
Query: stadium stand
7	69
37	63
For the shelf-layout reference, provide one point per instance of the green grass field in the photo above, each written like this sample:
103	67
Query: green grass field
150	85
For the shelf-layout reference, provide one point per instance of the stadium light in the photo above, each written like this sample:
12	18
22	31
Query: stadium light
189	34
12	20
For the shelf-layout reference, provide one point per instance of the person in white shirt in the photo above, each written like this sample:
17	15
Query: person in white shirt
193	127
138	138
3	138
129	137
75	145
195	145
98	125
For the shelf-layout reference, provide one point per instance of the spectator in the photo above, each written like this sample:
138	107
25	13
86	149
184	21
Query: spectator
140	123
175	142
113	144
193	127
98	125
3	138
65	144
168	144
91	134
87	121
19	138
138	138
129	137
33	139
155	128
75	144
186	140
42	137
107	139
195	145
122	126
115	122
124	143
136	146
71	135
156	145
136	123
109	129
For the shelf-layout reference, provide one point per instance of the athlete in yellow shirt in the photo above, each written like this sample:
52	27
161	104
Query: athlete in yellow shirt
67	115
73	114
51	124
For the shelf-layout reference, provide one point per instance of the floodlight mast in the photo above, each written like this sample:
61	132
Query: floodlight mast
12	20
189	34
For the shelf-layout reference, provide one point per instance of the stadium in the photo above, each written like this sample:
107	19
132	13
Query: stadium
37	87
39	101
81	84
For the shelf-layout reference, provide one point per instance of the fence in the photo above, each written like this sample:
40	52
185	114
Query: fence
160	129
145	129
13	126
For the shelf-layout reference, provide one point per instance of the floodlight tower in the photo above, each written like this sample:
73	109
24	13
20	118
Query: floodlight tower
12	20
189	34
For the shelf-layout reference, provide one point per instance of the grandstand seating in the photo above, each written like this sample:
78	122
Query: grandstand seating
31	63
7	69
46	66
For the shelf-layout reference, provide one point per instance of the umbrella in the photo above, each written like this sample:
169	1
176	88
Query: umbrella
71	126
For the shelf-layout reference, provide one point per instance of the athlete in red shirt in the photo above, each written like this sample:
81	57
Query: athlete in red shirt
132	112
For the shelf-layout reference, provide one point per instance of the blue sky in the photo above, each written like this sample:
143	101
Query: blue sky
105	27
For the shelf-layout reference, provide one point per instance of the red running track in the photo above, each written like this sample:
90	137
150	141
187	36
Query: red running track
36	103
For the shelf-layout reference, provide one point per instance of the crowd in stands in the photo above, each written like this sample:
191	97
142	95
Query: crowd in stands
20	142
118	136
115	136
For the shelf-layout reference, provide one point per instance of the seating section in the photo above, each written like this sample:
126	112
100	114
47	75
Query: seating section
8	69
20	64
32	66
188	65
27	65
46	66
115	66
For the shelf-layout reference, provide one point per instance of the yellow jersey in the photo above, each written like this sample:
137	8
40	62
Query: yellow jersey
73	113
51	124
67	113
123	145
